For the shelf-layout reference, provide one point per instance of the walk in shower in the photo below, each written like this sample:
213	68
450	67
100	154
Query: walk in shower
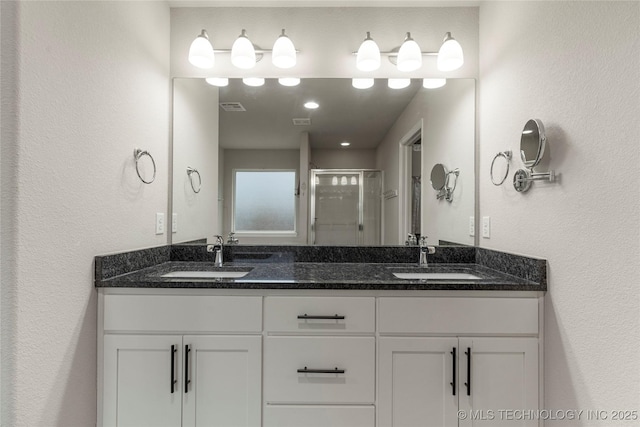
346	207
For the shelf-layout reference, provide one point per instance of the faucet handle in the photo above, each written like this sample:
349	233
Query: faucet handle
219	240
423	240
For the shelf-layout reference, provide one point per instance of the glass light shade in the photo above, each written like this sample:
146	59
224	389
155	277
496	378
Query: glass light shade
343	180
253	81
201	52
409	55
433	83
368	57
398	83
283	54
243	55
362	83
354	180
217	81
450	56
334	180
289	81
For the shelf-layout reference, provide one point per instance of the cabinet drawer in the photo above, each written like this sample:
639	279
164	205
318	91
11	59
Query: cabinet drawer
318	416
318	314
181	313
284	356
458	315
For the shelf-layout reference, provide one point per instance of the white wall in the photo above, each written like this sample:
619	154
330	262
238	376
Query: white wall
261	159
347	158
195	144
326	37
84	84
575	66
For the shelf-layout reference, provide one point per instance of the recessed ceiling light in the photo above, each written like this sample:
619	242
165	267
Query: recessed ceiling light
312	105
345	144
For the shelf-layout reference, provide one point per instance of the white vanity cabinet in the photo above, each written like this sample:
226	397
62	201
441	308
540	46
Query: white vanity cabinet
438	356
171	360
296	358
319	362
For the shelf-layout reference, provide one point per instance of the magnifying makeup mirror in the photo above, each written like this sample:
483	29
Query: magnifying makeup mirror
532	145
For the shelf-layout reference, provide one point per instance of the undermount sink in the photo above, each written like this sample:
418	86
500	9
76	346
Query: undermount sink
438	276
206	274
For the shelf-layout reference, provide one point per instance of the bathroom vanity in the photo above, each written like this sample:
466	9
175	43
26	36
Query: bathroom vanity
289	342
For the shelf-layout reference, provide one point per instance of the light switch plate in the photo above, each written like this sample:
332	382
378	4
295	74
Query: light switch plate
174	223
472	226
486	227
159	223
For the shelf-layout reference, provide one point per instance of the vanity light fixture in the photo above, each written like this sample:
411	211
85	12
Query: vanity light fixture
253	81
283	54
289	81
433	83
409	55
243	54
398	83
201	52
311	105
368	56
362	83
450	56
217	81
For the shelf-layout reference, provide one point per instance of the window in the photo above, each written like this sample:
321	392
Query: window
264	201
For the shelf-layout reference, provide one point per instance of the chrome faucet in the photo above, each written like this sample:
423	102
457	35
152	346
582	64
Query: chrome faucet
218	248
424	249
231	239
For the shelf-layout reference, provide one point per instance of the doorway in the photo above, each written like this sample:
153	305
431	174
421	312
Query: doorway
410	184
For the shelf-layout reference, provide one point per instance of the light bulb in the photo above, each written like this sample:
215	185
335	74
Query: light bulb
217	81
362	83
311	105
253	81
201	52
450	56
243	55
433	83
409	55
368	57
283	54
289	81
398	83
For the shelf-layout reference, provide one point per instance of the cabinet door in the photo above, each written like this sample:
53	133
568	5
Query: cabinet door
503	374
138	389
225	377
414	382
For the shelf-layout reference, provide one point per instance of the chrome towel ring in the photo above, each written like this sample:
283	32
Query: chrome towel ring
193	171
137	155
507	156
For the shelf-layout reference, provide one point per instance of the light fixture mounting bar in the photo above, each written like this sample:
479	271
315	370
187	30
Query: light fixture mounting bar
392	55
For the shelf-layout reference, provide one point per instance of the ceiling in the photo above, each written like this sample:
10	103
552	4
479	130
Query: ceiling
361	117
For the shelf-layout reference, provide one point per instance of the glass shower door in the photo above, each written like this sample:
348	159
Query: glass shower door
344	210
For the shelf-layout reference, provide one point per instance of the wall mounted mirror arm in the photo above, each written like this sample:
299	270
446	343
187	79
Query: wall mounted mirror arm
532	145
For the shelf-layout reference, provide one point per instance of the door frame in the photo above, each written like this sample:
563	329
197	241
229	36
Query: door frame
404	179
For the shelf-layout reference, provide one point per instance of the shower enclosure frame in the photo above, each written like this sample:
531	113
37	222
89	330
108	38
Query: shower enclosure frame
313	173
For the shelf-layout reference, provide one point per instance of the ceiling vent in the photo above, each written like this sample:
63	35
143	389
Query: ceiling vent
232	106
302	122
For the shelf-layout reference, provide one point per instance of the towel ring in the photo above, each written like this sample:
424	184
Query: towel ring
190	172
137	155
507	156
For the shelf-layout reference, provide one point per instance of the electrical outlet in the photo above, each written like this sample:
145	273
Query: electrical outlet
159	223
472	226
174	223
486	227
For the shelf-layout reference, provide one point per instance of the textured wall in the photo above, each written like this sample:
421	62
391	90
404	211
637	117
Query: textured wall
88	82
195	144
575	66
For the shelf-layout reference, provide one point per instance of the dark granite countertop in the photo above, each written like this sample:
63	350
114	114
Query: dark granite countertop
321	275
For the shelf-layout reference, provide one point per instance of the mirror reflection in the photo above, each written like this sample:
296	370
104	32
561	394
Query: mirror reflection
260	151
532	143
